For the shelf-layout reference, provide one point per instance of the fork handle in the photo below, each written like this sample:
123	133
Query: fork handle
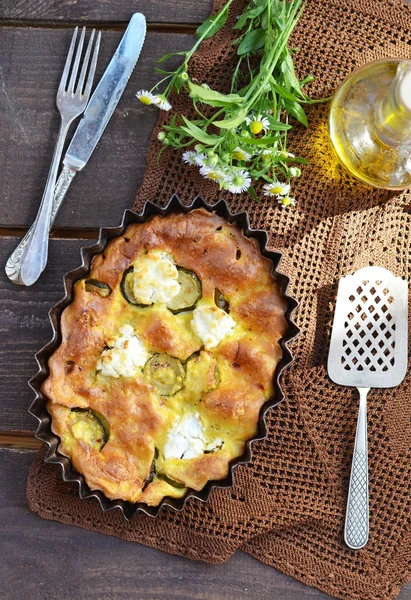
357	516
13	265
34	258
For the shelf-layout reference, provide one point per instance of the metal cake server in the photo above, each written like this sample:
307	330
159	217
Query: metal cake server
90	129
368	349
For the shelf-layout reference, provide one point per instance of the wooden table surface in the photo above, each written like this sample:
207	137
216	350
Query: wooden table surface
43	559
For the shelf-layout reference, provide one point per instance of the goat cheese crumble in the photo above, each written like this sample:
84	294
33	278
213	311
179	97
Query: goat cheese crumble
186	439
155	278
211	324
126	353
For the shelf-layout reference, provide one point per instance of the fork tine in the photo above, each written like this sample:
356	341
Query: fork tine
65	74
93	64
83	71
74	72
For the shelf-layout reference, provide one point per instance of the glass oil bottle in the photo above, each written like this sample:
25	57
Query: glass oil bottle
370	123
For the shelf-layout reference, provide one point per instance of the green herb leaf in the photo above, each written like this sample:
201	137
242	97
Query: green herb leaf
215	23
212	97
199	134
169	55
278	125
251	42
284	93
287	68
162	72
290	159
297	111
252	13
232	122
306	80
253	194
264	141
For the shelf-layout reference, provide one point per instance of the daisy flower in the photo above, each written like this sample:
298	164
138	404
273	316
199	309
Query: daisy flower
257	123
294	172
240	154
189	157
286	201
163	103
276	189
200	157
239	181
266	155
284	154
213	174
146	97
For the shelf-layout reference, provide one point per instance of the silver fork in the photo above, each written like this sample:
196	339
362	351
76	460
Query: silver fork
72	98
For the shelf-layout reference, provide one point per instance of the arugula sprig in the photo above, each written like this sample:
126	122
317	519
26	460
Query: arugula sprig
242	138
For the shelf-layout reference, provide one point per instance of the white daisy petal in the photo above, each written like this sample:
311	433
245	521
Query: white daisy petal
239	181
200	158
284	154
240	154
213	174
163	103
286	201
276	189
257	123
146	97
189	157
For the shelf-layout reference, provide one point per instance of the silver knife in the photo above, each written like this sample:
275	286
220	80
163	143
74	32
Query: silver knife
90	129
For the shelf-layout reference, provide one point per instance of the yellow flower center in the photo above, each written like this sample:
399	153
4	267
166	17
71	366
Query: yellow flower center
145	100
213	176
238	155
285	201
256	127
276	190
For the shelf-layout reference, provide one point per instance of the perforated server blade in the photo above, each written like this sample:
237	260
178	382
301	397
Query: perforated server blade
368	350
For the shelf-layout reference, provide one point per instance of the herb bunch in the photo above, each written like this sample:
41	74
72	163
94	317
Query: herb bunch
242	138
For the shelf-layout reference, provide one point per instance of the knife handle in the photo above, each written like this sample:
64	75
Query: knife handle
13	264
357	515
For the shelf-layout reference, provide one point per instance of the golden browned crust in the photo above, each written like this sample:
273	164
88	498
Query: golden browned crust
138	417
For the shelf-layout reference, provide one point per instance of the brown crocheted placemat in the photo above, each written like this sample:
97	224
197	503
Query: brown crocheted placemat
287	506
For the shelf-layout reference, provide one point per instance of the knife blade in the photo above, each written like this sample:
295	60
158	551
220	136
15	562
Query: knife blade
106	95
90	129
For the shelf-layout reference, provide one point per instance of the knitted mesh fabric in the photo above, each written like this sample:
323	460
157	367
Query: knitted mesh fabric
287	507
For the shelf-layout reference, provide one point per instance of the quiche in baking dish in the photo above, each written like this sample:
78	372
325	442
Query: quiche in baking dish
168	353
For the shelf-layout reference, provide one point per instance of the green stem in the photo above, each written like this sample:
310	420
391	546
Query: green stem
160	82
267	69
207	31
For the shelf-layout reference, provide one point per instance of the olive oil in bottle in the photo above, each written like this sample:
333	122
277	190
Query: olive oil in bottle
370	123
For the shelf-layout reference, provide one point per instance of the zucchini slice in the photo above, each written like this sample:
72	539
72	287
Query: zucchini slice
220	301
170	481
97	287
89	427
166	373
189	294
153	471
126	287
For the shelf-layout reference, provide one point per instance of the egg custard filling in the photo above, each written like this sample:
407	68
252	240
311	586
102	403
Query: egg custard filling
168	353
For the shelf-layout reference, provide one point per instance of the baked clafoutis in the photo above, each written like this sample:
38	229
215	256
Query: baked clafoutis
168	353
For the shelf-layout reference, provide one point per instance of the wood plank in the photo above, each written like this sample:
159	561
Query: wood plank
161	11
58	561
21	441
25	328
29	123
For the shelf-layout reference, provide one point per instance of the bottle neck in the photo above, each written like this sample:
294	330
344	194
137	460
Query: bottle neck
392	116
